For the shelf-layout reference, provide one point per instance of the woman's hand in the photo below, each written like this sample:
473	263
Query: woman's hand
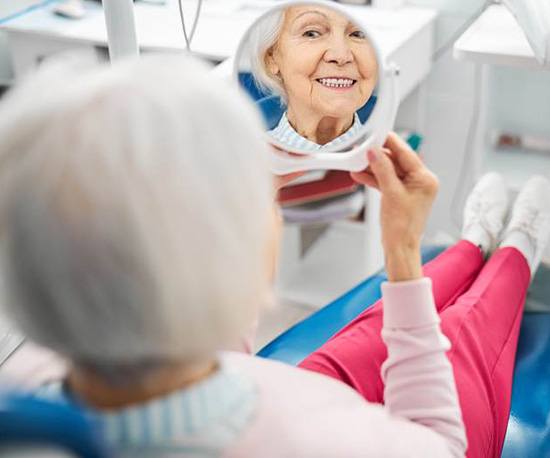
408	190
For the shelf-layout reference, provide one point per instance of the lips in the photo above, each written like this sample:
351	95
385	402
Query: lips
336	82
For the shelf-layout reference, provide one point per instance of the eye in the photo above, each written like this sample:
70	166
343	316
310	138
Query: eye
311	33
358	34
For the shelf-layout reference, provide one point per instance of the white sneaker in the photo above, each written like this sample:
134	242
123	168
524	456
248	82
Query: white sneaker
529	226
485	212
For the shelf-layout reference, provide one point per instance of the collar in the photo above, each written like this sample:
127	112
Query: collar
201	419
286	134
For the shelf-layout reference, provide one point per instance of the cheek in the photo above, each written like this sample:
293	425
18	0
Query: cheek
367	66
299	66
369	77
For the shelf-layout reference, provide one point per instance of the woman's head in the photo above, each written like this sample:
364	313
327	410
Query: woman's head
135	211
319	61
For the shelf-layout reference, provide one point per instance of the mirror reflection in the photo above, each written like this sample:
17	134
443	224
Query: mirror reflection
314	75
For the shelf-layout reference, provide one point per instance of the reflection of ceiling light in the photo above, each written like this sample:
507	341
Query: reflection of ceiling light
533	16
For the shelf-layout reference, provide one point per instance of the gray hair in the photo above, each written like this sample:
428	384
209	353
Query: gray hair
262	39
135	210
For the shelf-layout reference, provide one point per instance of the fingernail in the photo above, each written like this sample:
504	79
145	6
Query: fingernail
373	155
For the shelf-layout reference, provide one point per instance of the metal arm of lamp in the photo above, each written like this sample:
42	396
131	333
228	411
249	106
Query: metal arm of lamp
121	29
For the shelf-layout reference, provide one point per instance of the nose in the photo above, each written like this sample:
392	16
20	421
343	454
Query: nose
338	51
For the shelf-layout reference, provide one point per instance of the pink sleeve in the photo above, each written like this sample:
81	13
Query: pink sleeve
419	381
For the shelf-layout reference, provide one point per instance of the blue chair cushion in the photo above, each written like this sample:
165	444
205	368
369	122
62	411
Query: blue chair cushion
26	420
307	336
528	432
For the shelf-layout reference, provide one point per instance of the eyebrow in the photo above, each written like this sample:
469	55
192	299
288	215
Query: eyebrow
310	12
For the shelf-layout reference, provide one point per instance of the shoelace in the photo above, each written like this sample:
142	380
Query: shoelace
530	222
479	211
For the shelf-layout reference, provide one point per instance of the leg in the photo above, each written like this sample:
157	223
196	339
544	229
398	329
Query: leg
355	354
483	327
484	324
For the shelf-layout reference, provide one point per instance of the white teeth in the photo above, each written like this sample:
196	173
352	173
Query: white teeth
336	82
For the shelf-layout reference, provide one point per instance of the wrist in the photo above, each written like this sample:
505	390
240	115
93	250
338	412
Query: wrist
403	263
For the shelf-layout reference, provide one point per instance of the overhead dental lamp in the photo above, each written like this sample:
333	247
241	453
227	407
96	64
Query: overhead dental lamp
533	16
121	28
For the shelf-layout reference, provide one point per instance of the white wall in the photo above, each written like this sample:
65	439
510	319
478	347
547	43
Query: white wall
441	111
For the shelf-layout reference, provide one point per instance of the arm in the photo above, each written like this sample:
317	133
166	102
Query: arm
419	381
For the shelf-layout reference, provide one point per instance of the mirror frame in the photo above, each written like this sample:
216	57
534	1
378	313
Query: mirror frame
371	123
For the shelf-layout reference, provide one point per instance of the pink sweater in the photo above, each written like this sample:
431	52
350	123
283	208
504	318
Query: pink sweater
303	414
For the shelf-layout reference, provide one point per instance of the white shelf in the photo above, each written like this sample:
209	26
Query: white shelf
517	165
496	38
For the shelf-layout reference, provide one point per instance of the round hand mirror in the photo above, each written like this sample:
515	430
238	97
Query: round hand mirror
320	82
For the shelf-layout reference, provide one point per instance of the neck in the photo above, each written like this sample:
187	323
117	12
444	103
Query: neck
318	129
97	392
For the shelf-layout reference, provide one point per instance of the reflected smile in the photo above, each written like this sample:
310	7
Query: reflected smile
337	83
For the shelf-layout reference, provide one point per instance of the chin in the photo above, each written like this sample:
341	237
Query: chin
338	112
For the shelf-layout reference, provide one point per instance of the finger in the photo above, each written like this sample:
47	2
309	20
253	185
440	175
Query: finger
383	170
366	178
400	172
402	153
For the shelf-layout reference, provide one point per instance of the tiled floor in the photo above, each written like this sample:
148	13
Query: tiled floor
278	319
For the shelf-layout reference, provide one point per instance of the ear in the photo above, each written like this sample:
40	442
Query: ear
271	63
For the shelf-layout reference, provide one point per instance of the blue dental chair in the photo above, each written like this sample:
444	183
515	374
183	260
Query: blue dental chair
31	427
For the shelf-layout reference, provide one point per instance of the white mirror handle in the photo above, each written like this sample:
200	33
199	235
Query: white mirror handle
283	162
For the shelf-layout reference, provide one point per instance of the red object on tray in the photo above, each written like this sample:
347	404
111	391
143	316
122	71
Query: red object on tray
335	183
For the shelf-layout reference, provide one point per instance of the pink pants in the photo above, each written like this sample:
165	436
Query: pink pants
480	305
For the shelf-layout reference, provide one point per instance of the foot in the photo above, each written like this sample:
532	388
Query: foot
529	226
485	212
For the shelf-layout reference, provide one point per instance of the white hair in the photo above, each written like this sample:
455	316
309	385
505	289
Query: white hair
135	210
262	39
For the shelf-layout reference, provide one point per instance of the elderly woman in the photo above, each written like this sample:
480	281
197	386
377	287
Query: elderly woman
140	237
322	66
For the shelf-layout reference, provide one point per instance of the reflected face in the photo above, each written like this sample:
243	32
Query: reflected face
325	62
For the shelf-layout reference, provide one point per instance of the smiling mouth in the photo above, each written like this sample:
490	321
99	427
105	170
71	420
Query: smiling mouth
336	83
